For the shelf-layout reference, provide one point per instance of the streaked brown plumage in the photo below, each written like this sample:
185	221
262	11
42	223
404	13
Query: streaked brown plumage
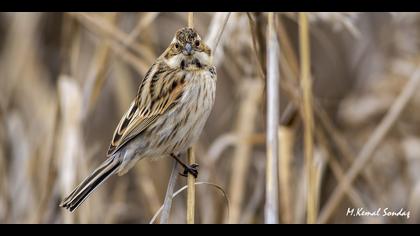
166	117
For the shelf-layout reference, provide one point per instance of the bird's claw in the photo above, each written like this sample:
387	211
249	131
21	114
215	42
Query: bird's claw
192	169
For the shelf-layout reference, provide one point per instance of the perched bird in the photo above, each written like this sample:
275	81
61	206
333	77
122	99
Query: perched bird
165	118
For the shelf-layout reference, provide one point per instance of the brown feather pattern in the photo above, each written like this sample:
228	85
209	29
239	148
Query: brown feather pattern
167	115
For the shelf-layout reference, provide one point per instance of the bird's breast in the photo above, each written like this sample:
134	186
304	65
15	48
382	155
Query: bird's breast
195	106
178	129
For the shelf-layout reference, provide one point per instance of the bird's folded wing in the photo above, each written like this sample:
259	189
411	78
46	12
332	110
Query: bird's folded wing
141	115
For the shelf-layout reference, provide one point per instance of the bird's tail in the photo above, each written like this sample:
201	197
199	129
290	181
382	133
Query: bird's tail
88	185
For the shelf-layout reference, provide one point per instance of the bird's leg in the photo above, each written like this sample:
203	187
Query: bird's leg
192	169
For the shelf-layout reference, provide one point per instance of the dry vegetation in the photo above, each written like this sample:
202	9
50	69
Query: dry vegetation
314	113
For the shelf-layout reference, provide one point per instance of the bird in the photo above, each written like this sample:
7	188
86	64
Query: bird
166	117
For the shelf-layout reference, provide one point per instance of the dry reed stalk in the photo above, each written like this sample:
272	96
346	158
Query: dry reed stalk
3	172
97	72
222	30
353	195
74	54
319	167
255	46
191	189
51	174
29	103
123	86
287	46
287	119
218	27
19	189
98	25
257	197
138	64
152	221
306	86
143	23
218	146
327	124
273	102
287	132
319	111
70	148
23	80
16	52
167	205
69	31
119	199
210	163
369	148
413	203
234	66
341	143
146	186
290	57
248	111
286	142
261	38
290	66
191	19
116	43
81	165
191	160
299	206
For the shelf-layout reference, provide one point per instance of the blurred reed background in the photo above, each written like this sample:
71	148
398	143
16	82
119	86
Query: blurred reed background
344	129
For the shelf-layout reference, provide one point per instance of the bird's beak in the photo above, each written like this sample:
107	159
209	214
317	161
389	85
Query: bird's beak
188	49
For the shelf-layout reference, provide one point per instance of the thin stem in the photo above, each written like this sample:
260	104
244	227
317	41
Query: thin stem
286	141
319	112
254	45
98	25
306	85
369	148
164	218
198	183
273	101
191	19
221	31
191	189
251	96
191	160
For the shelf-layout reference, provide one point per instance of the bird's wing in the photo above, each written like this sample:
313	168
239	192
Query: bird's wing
158	93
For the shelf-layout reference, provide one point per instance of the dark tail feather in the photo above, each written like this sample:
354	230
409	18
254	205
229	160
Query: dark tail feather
82	192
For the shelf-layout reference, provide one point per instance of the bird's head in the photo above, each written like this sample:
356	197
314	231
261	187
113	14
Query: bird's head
187	51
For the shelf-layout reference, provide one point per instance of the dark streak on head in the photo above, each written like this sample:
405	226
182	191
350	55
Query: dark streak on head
186	35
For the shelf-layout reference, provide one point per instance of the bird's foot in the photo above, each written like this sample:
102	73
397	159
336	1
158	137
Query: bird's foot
192	169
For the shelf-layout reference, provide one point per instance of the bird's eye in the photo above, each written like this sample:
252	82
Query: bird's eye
176	45
197	43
